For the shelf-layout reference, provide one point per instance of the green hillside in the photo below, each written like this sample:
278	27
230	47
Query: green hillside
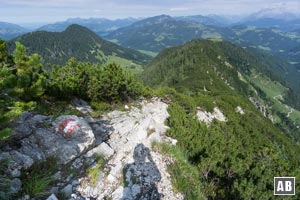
238	158
156	33
79	42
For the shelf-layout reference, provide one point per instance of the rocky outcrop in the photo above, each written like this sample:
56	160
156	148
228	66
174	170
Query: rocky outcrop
38	138
208	117
240	110
265	110
132	171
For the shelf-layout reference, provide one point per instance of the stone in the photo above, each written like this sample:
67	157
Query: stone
15	186
75	183
40	121
82	106
77	164
22	127
16	173
101	132
54	190
155	137
65	149
118	193
57	176
9	187
31	149
135	190
67	190
69	178
103	149
23	160
52	197
89	119
98	129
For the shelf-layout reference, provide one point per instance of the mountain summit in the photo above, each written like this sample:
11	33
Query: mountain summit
76	41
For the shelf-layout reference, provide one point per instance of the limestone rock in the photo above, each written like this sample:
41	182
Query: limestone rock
52	197
239	110
133	164
82	106
208	117
9	187
67	190
103	149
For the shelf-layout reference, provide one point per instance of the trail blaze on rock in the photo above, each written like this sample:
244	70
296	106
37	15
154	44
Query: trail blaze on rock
68	126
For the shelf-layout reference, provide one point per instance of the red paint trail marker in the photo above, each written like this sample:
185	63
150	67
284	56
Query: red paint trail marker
68	126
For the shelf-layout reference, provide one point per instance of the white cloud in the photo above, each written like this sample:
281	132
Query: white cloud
179	9
53	10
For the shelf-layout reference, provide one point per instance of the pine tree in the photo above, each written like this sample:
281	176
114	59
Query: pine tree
3	53
31	80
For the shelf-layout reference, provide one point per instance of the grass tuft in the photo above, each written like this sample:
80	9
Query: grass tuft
38	178
94	172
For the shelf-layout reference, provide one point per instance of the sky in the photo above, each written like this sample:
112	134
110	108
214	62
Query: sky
47	11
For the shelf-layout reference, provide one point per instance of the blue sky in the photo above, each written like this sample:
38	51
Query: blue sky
41	11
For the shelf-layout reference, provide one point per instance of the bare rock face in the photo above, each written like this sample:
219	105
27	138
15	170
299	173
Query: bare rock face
44	140
134	171
208	117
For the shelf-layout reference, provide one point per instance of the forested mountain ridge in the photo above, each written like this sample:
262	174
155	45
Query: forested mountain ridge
208	75
76	41
157	33
217	67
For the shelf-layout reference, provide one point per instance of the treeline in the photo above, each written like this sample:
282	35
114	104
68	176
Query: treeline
24	83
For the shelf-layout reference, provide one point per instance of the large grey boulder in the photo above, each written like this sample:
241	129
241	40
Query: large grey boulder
72	137
52	197
42	139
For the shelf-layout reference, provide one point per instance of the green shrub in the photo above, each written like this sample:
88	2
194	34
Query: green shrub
5	133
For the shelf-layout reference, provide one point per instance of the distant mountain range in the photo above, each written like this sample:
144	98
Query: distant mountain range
101	26
267	18
285	25
278	17
9	30
207	20
157	33
79	42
